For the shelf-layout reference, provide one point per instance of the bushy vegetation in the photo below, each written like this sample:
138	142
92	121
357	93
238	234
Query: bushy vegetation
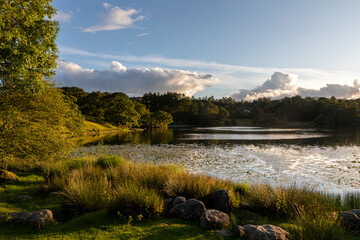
129	188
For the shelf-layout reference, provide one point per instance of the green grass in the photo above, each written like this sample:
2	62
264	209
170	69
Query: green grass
136	190
99	226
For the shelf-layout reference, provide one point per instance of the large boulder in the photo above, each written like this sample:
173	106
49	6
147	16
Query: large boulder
169	203
191	209
265	232
218	200
351	219
7	177
215	219
37	218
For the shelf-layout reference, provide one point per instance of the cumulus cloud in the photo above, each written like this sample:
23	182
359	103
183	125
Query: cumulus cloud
282	85
133	81
117	18
62	16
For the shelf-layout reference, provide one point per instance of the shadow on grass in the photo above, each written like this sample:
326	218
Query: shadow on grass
100	226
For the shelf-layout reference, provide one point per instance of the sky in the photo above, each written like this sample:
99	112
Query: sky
240	48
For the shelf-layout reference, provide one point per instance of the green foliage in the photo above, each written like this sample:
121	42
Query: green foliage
35	127
136	201
35	117
109	161
28	50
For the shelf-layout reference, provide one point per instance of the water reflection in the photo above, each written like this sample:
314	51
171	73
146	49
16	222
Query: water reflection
230	136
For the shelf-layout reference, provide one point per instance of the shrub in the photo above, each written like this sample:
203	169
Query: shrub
134	200
107	161
87	190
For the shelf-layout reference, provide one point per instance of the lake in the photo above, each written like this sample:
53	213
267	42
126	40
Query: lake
326	160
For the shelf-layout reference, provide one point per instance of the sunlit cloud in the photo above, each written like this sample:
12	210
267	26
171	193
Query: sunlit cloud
282	85
117	18
135	81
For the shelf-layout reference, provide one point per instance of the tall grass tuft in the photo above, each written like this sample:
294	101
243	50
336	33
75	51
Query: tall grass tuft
283	201
136	201
351	200
109	161
195	186
87	190
319	227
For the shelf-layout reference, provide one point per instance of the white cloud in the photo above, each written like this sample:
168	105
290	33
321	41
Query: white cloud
232	76
282	85
116	19
62	16
143	34
133	81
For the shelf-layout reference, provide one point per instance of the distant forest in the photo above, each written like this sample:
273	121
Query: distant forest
159	110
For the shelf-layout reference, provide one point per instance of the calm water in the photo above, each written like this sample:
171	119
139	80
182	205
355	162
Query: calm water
326	160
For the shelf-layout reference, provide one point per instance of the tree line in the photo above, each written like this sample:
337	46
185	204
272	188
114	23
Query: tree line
119	109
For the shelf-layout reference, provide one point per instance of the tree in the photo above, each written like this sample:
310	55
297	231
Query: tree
35	117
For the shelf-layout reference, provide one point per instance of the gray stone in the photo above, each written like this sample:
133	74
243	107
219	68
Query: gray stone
169	203
215	219
178	200
351	219
191	209
37	218
24	197
265	232
218	200
7	177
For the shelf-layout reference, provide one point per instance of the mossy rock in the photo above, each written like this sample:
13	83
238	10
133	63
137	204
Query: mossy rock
7	177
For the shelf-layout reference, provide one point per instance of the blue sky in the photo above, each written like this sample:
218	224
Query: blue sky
211	47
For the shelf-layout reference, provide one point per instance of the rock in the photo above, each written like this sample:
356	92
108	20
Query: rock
7	177
40	217
169	203
24	197
265	232
351	219
178	200
191	209
225	233
212	218
44	189
218	200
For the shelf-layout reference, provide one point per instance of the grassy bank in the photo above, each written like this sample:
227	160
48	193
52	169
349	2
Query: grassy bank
109	197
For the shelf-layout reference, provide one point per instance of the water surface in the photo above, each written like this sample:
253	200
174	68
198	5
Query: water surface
326	160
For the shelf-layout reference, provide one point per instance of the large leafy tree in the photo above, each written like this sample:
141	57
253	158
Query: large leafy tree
35	117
